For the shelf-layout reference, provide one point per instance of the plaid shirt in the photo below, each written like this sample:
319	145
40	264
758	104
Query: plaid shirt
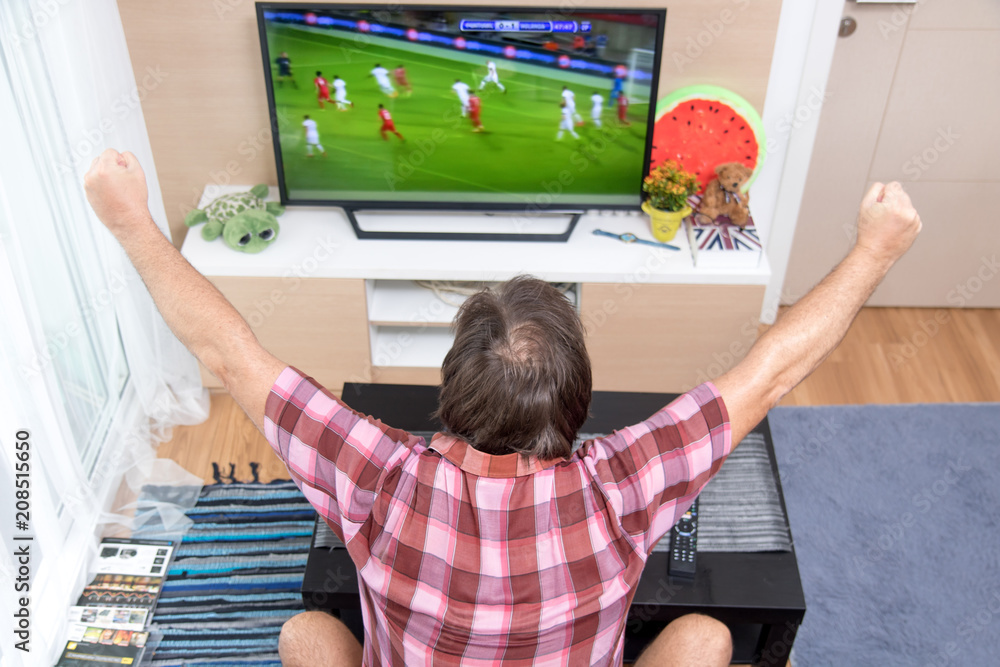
470	559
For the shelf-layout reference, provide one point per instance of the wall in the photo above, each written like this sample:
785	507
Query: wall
916	89
206	108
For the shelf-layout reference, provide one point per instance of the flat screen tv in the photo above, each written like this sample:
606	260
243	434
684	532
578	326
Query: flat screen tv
461	108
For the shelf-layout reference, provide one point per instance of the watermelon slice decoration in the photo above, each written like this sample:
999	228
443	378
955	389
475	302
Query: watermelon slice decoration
705	126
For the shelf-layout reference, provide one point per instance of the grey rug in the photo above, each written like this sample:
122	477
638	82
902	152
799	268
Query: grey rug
895	516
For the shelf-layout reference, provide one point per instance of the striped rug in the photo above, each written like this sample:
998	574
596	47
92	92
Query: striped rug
236	577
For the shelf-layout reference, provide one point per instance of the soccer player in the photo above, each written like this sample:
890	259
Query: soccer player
312	136
622	108
340	94
381	75
569	97
387	124
597	108
491	77
322	89
566	124
462	90
475	104
401	80
616	90
284	64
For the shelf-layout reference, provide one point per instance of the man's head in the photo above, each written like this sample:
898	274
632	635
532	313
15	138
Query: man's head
517	378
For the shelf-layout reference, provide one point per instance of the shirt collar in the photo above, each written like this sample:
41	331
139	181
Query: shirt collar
481	464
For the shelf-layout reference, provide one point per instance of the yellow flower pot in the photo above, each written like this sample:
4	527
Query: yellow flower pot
665	223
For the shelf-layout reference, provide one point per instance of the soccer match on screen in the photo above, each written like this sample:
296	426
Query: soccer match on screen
449	105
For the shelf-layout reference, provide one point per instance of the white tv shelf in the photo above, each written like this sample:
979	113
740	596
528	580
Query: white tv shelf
318	277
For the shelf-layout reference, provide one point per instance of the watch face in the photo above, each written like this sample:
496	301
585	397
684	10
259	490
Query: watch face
629	238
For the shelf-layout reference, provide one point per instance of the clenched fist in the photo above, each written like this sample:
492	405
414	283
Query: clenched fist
887	222
116	189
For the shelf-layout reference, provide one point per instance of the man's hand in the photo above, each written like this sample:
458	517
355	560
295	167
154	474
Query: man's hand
887	222
811	329
116	189
192	307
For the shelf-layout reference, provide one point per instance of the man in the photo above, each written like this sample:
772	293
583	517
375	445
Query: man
597	108
623	108
312	136
569	97
284	64
322	89
381	75
401	80
491	77
566	122
462	90
340	94
387	124
496	542
475	105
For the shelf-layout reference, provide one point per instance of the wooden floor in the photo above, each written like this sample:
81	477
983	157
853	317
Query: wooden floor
891	355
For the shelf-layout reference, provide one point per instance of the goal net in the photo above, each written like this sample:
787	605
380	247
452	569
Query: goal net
640	73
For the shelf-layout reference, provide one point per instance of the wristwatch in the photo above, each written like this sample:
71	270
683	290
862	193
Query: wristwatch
632	238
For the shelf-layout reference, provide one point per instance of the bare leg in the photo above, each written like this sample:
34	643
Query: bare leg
690	641
314	639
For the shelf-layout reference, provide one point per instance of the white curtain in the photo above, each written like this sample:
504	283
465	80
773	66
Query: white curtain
87	364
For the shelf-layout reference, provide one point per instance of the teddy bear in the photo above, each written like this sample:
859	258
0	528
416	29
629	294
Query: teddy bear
724	195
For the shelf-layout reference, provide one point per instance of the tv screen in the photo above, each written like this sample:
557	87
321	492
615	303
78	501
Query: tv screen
460	107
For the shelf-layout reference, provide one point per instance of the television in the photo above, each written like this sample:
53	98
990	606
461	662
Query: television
418	108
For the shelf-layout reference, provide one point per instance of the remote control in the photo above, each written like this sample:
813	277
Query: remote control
684	544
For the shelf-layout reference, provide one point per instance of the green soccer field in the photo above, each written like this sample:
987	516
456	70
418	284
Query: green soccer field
512	160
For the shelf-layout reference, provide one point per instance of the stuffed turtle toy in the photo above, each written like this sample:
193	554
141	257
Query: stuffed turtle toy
246	222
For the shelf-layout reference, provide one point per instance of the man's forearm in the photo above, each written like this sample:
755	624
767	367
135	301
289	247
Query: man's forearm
811	329
198	314
801	339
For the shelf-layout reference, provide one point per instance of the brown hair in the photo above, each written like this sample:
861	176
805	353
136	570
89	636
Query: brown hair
517	378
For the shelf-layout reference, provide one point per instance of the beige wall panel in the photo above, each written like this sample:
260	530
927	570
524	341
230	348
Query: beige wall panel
941	121
668	338
955	261
208	118
320	327
859	84
406	375
954	15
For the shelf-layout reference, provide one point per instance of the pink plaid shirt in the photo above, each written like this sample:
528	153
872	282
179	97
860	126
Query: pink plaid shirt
470	559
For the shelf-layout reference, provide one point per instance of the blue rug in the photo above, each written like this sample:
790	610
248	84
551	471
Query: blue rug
236	577
895	516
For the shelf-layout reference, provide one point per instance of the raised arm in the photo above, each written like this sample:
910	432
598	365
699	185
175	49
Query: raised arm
810	330
204	321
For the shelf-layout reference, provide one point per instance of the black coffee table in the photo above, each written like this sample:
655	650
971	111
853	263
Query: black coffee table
758	595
